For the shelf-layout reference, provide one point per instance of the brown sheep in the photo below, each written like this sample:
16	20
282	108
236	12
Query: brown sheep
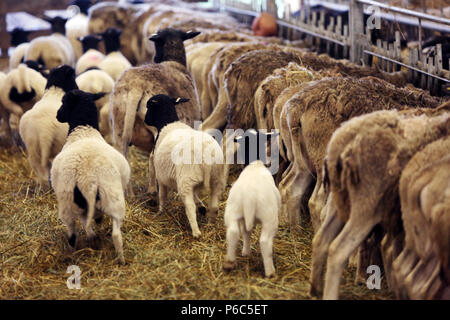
136	85
318	110
425	204
365	158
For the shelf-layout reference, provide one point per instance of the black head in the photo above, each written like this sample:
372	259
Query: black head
169	45
90	41
37	67
18	36
161	110
111	37
83	5
58	24
62	77
253	145
78	109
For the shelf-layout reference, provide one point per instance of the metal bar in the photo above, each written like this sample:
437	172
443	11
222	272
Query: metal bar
406	66
412	13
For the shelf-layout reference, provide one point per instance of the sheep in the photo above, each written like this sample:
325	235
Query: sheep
19	40
77	26
317	110
216	88
88	173
114	63
425	204
91	57
123	16
364	160
21	88
53	50
252	198
167	75
184	159
41	133
97	81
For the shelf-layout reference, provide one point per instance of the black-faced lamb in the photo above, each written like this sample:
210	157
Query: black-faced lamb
42	134
253	198
91	57
19	41
88	174
168	75
53	50
184	159
114	63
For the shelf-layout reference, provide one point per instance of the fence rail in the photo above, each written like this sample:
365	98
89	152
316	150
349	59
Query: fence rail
351	37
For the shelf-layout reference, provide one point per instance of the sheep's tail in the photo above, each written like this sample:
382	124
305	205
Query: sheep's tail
91	200
24	80
249	214
129	119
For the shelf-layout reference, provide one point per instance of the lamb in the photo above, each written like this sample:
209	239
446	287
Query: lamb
184	159
53	50
91	57
114	63
42	134
363	164
168	75
77	26
88	173
20	90
421	270
252	198
19	40
97	81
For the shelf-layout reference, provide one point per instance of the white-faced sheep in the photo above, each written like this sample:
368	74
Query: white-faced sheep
168	75
97	81
42	134
91	57
53	50
363	164
252	198
184	159
114	63
19	41
88	173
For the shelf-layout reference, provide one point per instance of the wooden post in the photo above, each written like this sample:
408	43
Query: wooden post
356	31
4	36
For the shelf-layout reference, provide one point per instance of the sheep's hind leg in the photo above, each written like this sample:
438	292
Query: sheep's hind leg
246	239
188	199
351	236
321	242
162	194
93	239
67	217
117	238
213	205
266	244
232	240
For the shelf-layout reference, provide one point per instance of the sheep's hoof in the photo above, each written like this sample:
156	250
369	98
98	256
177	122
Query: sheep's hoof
229	265
122	261
271	275
202	210
94	242
197	234
152	190
99	220
314	292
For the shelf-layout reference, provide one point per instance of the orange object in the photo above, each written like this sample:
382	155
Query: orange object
264	25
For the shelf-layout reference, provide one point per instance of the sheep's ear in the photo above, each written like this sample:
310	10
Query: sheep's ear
99	95
180	100
154	37
190	35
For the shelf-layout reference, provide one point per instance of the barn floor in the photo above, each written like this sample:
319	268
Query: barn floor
163	260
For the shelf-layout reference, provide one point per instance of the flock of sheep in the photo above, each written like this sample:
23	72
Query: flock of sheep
364	153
